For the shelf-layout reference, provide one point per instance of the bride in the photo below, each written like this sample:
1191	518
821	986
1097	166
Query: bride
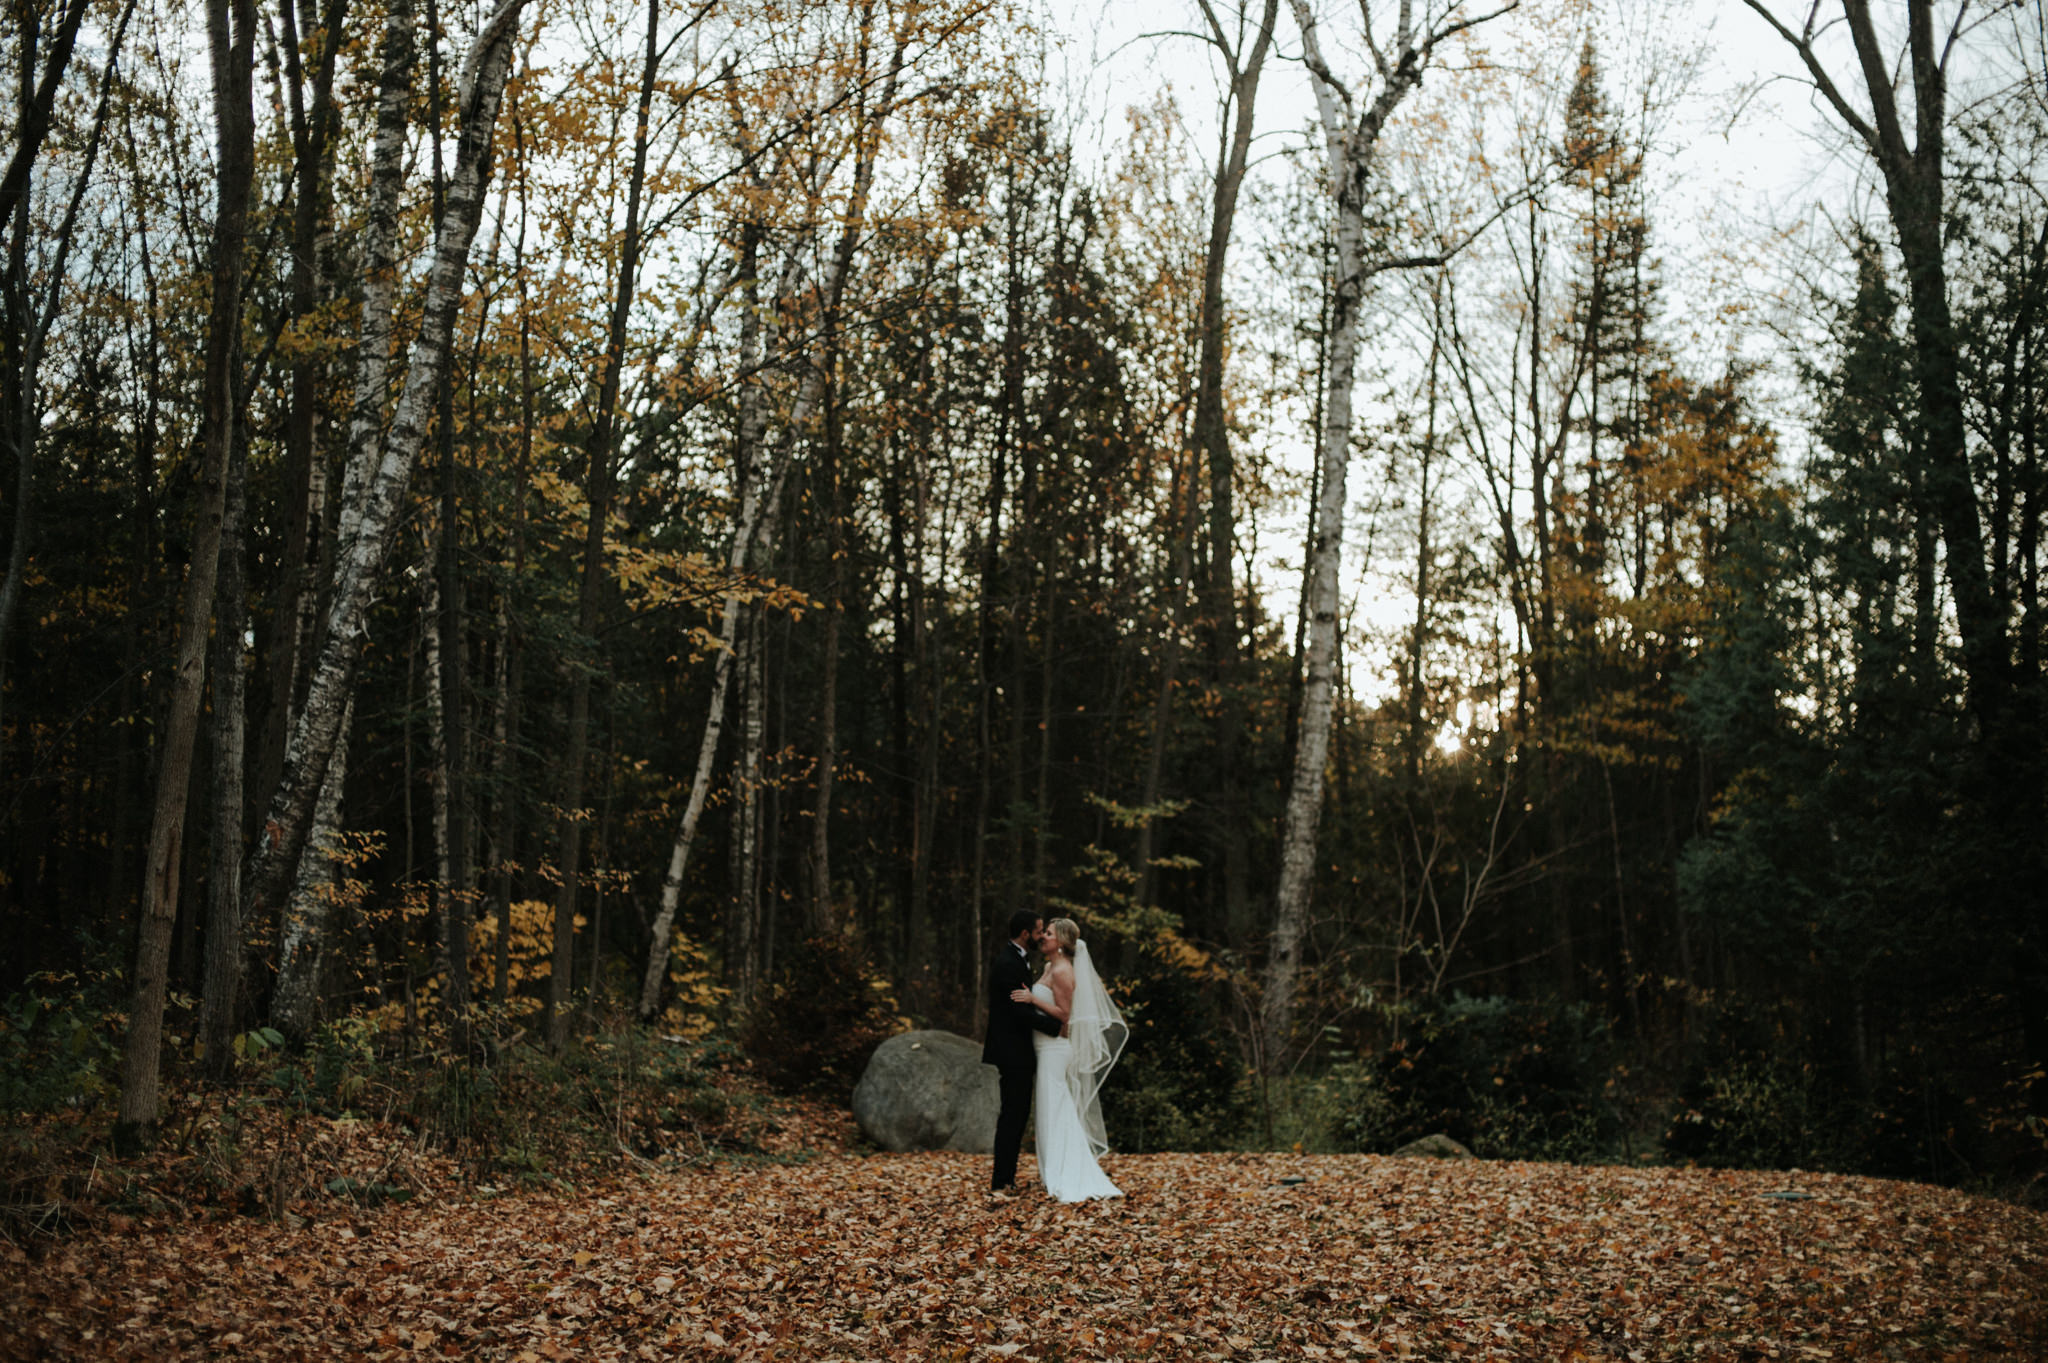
1072	1065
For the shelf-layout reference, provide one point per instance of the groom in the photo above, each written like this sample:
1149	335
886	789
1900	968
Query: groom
1008	1046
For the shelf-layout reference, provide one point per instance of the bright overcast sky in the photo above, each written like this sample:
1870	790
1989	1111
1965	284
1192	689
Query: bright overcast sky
1747	163
1755	147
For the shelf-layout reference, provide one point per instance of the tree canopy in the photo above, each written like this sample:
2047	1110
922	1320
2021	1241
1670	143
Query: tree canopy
528	519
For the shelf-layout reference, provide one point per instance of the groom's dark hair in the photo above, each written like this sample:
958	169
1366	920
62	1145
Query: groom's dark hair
1023	920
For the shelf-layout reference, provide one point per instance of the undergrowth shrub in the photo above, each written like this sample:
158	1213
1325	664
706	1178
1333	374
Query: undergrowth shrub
59	1065
1510	1079
1753	1095
357	1112
43	1168
337	1068
534	1114
1767	1091
59	1047
1757	1094
821	1017
1180	1084
520	1109
1752	1111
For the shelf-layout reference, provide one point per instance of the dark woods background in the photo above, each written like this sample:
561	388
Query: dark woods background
1684	793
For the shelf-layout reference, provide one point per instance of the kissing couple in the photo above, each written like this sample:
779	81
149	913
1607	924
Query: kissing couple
1053	1039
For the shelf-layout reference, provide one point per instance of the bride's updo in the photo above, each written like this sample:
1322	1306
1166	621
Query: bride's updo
1067	932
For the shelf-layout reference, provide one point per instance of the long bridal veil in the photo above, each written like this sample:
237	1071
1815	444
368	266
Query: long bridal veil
1098	1032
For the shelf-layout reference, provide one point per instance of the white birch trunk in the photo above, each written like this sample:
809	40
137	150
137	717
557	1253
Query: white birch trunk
1351	136
450	909
308	920
753	541
743	929
755	523
380	272
379	472
754	536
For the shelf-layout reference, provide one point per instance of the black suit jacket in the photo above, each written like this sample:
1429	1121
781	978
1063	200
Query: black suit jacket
1010	1024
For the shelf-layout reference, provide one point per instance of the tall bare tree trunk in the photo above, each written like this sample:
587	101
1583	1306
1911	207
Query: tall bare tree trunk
818	919
818	916
1009	420
21	330
294	615
307	924
451	741
1413	684
1212	439
303	916
743	931
450	661
903	785
380	471
569	853
511	681
510	654
760	472
146	355
599	484
511	688
502	847
231	33
224	905
451	902
1351	136
1183	531
759	494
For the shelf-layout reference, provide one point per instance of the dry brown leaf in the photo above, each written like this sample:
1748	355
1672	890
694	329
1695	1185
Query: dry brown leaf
901	1256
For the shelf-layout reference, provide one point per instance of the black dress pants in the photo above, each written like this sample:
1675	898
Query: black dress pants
1014	1084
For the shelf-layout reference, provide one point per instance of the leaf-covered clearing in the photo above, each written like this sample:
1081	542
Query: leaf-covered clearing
1209	1256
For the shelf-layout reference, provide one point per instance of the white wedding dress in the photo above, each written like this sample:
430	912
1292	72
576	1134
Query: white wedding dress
1066	1156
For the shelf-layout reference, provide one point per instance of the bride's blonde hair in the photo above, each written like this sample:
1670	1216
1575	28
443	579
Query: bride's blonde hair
1067	931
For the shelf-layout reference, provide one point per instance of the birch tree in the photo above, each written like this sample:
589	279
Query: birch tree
380	470
312	119
761	473
600	482
304	916
1353	118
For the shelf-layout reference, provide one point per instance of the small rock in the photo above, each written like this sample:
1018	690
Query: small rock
1434	1146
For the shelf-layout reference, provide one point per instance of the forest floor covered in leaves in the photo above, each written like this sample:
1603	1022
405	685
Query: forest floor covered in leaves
820	1252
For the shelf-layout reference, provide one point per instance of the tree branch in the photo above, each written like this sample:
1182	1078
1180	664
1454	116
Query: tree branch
1218	37
1445	34
1884	107
1312	56
35	123
1379	58
1803	45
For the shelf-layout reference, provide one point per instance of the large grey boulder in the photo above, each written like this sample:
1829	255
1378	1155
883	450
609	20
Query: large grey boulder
928	1091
